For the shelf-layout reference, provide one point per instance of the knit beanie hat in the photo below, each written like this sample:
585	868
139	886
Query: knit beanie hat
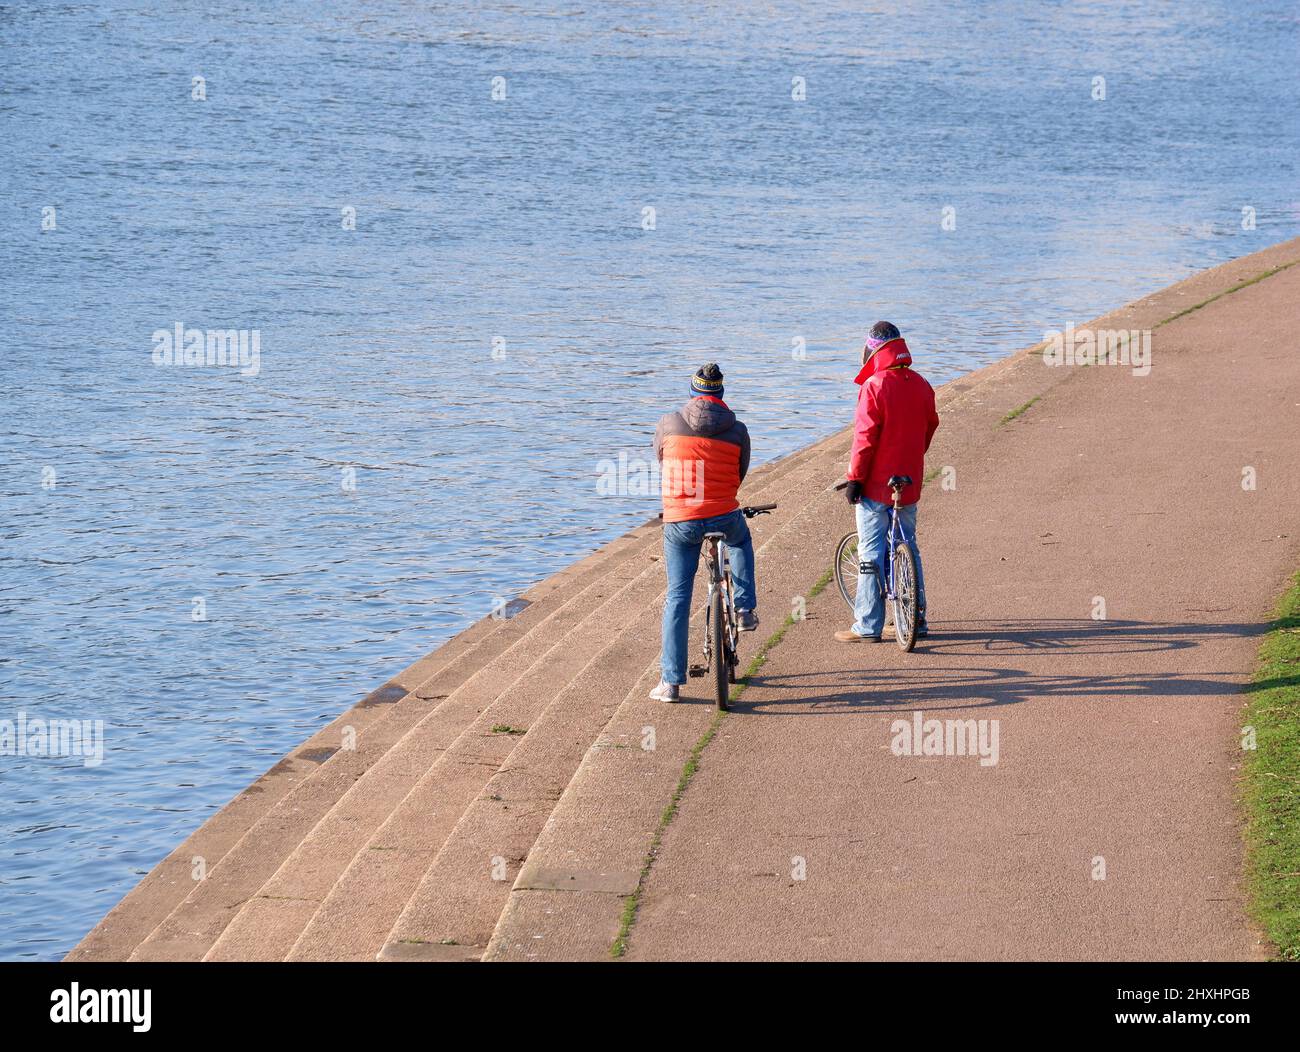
707	381
881	333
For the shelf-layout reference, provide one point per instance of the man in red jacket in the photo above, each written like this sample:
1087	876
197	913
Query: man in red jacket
895	422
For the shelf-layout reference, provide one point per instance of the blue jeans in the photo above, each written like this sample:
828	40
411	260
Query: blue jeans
873	538
682	543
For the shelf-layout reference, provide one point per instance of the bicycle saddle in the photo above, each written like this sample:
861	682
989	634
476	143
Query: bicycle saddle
711	536
899	481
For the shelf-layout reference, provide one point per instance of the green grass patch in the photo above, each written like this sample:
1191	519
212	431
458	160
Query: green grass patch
1018	411
633	902
505	728
1227	292
1271	781
821	584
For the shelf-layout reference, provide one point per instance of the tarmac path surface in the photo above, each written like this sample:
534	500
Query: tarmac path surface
1098	578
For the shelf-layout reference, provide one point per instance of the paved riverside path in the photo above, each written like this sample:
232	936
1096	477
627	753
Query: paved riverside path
499	798
1119	738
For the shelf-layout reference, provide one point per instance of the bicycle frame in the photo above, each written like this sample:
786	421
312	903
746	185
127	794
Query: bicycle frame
884	568
719	570
715	554
895	535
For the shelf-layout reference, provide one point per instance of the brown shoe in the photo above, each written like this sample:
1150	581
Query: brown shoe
850	636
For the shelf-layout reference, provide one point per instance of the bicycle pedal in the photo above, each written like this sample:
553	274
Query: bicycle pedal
695	671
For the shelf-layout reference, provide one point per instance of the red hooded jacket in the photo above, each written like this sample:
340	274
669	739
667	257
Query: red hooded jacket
895	422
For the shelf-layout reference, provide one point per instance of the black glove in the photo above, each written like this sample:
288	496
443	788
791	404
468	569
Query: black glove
853	492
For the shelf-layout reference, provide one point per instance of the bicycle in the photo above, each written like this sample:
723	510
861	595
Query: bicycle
721	630
899	586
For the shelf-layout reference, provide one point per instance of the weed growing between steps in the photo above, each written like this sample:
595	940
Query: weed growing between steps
633	901
1227	292
1018	410
1040	349
1271	781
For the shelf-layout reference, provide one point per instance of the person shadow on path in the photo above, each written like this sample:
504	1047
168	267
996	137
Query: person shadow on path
940	674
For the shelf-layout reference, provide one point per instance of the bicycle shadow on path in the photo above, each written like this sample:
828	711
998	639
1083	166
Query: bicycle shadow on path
1015	668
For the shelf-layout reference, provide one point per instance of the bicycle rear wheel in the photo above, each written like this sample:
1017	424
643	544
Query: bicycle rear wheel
904	596
733	631
721	651
846	568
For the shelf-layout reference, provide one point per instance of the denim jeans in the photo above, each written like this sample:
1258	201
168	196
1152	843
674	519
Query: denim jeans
873	537
682	543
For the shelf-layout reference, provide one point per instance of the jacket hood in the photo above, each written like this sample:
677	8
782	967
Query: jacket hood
707	415
893	353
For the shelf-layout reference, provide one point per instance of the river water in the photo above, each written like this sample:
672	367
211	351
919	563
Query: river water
469	292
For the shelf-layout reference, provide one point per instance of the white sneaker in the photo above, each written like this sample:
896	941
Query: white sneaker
666	692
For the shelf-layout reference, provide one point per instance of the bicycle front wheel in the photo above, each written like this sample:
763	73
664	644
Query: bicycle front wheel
721	652
905	601
846	568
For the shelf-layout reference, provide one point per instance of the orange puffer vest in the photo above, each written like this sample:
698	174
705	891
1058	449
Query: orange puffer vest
703	453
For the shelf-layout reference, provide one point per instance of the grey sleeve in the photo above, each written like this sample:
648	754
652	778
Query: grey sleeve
659	439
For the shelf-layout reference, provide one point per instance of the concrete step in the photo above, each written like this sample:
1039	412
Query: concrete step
189	931
431	679
171	880
456	739
353	921
160	891
167	885
460	897
567	900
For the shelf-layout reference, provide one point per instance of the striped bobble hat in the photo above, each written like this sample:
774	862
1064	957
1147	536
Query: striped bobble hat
707	381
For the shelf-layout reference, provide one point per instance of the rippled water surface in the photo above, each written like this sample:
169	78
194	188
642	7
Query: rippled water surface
515	223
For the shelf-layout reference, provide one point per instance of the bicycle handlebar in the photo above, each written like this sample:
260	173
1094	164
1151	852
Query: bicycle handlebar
844	482
749	512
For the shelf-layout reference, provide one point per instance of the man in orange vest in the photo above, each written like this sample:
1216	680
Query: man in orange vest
703	452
